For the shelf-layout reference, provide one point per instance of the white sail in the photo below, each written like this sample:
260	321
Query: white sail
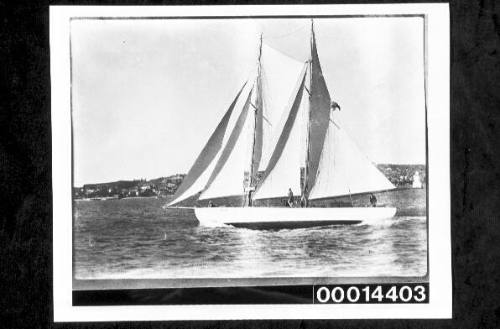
199	183
283	171
319	113
256	133
343	169
286	128
199	174
228	174
289	129
279	75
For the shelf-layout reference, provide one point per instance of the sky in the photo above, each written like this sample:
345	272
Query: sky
147	94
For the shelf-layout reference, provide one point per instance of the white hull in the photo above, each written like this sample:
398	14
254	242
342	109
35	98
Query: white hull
262	217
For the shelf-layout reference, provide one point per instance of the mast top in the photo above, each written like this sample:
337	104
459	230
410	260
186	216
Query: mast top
313	40
260	46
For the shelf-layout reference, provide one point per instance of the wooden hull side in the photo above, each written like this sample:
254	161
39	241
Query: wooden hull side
408	201
276	217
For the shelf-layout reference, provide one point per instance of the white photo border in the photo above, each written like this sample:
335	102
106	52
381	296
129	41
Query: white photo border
438	166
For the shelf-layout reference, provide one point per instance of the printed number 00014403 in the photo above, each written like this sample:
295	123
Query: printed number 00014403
371	294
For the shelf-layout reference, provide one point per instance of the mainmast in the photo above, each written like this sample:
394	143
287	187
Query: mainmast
319	114
308	87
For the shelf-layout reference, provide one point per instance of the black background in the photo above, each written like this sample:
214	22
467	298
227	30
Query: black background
25	173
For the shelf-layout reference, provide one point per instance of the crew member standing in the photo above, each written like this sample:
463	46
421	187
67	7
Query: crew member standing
373	200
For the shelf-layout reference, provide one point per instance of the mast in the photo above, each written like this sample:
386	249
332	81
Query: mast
319	114
245	143
329	162
257	105
305	174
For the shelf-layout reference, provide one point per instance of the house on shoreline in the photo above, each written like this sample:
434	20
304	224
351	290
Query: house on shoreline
132	188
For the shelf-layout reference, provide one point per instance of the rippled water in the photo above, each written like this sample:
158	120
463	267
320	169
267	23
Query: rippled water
137	238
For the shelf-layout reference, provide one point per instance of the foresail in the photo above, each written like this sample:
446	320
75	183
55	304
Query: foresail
279	79
343	169
204	164
284	165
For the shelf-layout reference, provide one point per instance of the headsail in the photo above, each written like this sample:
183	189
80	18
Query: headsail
343	169
204	164
232	162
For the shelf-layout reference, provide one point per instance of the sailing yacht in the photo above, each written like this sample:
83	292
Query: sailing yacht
281	135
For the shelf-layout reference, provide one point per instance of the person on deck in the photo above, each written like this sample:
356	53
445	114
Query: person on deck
290	198
373	200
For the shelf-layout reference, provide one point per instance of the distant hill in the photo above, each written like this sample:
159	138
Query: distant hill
400	175
137	187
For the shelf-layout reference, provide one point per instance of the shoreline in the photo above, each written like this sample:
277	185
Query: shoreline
117	198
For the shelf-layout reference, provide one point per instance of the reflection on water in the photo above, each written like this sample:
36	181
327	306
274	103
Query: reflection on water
137	238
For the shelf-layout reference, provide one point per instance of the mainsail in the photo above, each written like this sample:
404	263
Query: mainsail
319	113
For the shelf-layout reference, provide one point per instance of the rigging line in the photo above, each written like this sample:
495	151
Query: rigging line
267	120
308	91
346	130
336	125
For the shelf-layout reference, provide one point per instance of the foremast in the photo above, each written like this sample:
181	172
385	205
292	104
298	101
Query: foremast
250	177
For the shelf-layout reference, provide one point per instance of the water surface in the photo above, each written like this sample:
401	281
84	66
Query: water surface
138	239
